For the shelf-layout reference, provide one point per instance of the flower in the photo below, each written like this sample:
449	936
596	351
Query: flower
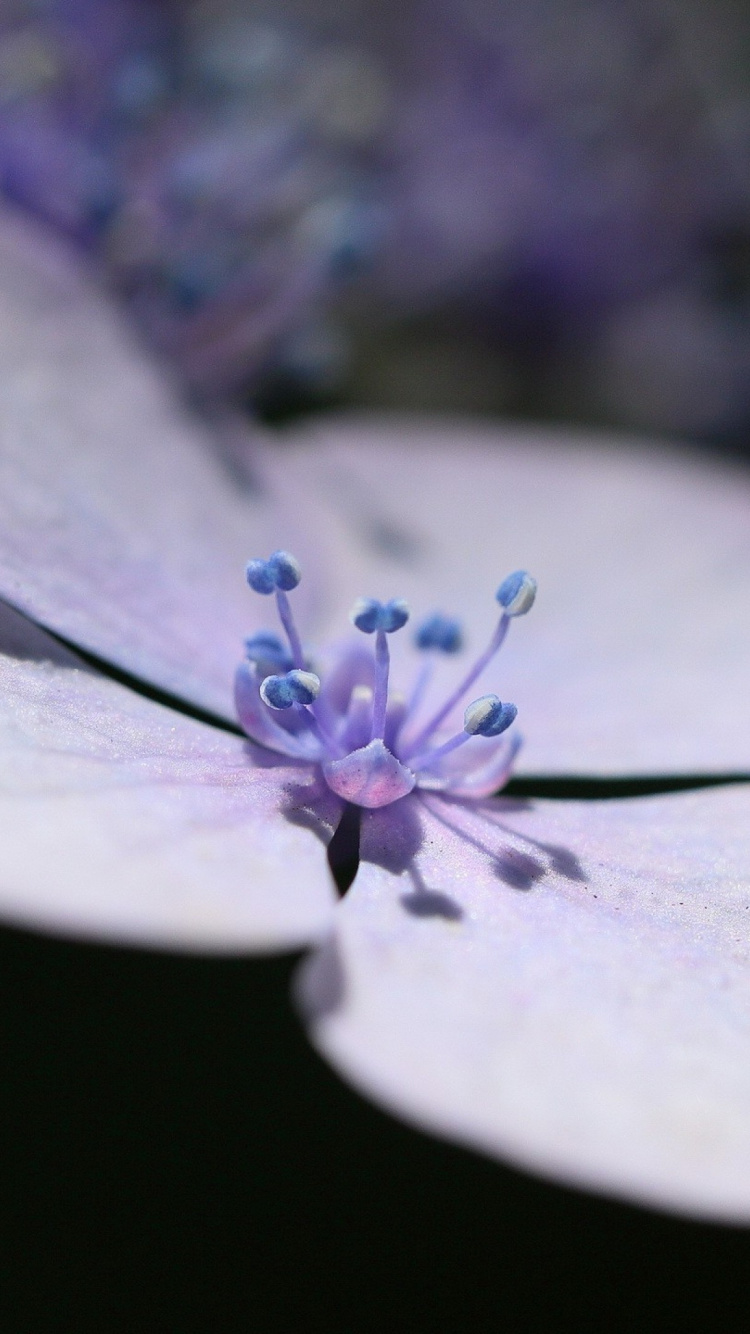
561	982
373	751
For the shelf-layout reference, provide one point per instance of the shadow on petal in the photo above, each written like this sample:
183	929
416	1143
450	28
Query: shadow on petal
424	902
518	869
392	836
564	861
312	805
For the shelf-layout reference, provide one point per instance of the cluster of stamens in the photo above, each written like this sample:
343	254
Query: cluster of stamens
370	749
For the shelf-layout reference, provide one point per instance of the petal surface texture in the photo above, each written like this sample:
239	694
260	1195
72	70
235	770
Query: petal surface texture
119	528
566	986
636	655
122	820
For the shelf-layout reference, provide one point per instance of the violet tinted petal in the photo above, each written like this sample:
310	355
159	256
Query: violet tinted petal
267	730
118	528
478	769
125	821
565	985
642	553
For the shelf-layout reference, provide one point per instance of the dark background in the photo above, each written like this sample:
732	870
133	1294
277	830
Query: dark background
175	1157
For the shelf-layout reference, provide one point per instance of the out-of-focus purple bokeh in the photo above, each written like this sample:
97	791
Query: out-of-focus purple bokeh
473	204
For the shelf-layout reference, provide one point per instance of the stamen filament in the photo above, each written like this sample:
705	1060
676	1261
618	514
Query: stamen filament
287	620
317	729
380	694
420	685
492	648
427	757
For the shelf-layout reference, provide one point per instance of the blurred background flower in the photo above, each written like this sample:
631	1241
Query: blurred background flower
541	209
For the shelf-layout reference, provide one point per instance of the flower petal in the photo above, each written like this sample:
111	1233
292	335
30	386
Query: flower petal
636	657
259	724
123	820
566	985
118	527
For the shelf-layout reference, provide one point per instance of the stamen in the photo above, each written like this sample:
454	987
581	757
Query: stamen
516	593
381	618
420	685
266	650
286	570
297	690
380	695
487	716
295	687
280	574
516	596
439	632
287	620
492	648
259	577
370	615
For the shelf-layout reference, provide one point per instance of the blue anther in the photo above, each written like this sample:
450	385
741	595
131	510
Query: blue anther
268	649
305	686
516	593
276	692
295	687
370	615
440	632
488	716
285	569
280	571
260	577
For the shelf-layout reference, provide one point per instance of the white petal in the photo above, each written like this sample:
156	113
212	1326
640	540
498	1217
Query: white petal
578	1004
118	527
636	656
122	820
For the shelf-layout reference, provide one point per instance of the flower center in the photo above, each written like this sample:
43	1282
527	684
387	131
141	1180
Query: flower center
374	747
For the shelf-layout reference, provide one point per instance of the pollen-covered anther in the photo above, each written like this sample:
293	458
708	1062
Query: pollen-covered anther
369	615
281	571
488	716
516	593
266	649
439	632
295	687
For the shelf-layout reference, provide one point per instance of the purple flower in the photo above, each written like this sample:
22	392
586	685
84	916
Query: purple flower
561	982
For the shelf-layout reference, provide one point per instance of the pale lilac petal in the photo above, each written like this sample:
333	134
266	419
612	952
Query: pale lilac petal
122	820
566	986
478	769
118	527
257	720
636	655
